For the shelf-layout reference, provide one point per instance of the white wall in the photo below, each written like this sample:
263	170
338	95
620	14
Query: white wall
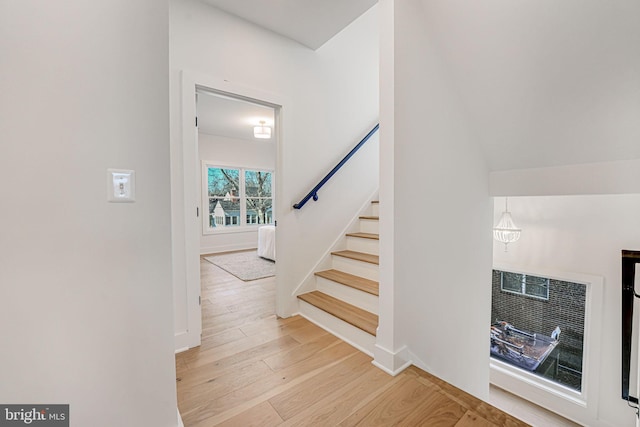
619	177
85	290
442	219
332	102
224	151
582	234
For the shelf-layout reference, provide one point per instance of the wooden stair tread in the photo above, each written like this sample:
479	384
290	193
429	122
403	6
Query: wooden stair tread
372	236
356	282
371	217
353	315
359	256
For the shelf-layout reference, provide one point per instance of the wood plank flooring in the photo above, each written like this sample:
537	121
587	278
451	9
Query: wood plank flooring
254	369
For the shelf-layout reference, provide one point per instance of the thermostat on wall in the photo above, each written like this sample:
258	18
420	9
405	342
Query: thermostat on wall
121	185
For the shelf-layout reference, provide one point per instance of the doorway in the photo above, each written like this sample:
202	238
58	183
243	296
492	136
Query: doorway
235	230
237	154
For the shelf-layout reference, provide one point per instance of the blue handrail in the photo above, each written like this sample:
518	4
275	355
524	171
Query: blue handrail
314	192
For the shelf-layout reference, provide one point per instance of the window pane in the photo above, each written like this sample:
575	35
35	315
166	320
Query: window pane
224	212
512	282
223	182
257	183
260	210
537	287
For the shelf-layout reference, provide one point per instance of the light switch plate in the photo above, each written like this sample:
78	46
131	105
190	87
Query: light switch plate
121	186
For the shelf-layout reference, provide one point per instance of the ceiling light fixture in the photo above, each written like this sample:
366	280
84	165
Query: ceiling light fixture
506	231
262	131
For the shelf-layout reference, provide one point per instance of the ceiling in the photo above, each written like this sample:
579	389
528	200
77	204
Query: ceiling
544	82
229	117
309	22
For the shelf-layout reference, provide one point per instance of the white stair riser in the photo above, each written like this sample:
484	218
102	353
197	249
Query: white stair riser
355	267
375	209
363	300
369	226
348	333
359	244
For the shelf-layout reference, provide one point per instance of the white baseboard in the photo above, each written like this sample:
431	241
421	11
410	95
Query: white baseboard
180	423
391	362
181	341
227	248
418	363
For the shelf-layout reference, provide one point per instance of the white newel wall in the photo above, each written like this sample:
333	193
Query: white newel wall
389	352
224	151
332	102
85	285
442	216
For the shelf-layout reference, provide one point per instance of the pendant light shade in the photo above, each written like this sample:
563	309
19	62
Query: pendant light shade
262	131
506	230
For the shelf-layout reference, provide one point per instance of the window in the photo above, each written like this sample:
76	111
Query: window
544	334
525	284
237	197
547	351
259	197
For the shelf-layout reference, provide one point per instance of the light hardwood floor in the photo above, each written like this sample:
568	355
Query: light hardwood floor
254	369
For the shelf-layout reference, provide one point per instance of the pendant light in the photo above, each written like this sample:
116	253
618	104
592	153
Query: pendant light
506	231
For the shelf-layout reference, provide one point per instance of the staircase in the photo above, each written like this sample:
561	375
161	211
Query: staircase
345	301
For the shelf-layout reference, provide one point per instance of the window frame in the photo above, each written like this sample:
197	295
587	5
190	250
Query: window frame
523	286
244	226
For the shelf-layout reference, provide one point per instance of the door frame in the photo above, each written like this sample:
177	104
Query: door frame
189	246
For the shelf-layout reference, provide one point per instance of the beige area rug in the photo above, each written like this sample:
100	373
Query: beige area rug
245	266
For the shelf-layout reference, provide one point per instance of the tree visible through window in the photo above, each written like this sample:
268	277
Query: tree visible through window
238	197
258	196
